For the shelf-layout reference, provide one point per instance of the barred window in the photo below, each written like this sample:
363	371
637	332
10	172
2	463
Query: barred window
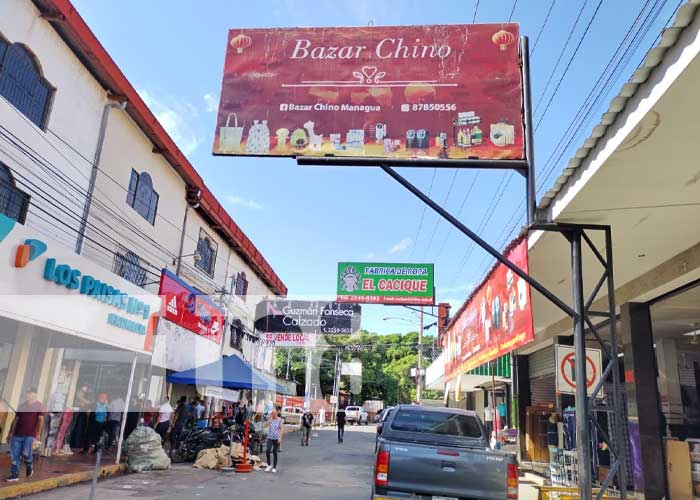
241	285
14	202
141	195
206	248
128	265
22	82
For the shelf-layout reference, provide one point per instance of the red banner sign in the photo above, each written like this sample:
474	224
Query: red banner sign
447	91
495	320
187	307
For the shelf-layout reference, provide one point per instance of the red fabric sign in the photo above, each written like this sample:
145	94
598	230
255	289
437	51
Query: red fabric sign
447	91
187	307
495	320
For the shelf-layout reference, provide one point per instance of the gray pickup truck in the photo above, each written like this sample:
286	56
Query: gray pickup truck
440	454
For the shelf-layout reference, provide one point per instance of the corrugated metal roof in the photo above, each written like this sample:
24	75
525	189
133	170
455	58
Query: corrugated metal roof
685	15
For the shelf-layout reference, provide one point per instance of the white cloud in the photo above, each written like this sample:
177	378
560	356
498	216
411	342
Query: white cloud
402	245
242	202
211	103
467	287
176	116
369	255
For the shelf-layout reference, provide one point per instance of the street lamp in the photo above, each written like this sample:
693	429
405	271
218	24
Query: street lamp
419	379
178	260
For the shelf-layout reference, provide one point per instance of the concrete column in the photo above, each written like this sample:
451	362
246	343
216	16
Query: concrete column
646	445
16	371
669	381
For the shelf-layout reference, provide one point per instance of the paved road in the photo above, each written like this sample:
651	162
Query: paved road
324	470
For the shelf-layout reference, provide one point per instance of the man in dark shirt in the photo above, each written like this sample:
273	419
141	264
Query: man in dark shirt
183	414
340	422
26	427
307	422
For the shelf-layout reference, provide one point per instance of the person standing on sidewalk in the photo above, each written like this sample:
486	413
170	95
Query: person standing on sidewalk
488	419
25	429
274	440
340	422
165	411
307	422
116	411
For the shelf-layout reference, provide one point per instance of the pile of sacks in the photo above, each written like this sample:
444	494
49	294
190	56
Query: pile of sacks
218	458
145	451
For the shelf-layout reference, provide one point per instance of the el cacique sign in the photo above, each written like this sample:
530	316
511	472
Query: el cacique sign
377	283
447	91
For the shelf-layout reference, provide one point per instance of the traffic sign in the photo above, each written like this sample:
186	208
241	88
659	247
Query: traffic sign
566	369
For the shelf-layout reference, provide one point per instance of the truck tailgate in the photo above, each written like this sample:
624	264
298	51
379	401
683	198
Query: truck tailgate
447	471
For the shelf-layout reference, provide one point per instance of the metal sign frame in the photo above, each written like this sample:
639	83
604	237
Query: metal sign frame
577	235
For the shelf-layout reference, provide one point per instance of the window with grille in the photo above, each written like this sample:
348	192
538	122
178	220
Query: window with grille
22	83
14	202
128	265
236	340
241	285
141	196
206	248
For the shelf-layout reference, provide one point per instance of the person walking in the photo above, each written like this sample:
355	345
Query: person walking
307	422
25	429
99	421
165	411
274	440
183	414
340	422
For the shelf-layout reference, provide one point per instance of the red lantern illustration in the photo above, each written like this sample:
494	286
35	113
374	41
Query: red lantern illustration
503	38
241	42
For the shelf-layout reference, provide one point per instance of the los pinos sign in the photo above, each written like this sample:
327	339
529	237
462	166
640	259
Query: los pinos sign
386	283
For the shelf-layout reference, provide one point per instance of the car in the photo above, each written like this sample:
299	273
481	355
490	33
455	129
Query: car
292	414
428	453
356	415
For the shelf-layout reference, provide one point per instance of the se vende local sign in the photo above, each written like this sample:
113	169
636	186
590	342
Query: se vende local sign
382	283
446	91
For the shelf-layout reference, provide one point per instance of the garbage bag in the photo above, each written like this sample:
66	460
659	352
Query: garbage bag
145	451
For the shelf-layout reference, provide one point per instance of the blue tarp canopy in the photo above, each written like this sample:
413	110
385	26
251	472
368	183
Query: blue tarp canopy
230	372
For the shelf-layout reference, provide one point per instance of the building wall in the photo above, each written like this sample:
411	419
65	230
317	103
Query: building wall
113	222
58	175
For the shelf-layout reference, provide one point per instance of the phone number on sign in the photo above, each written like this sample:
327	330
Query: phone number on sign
428	107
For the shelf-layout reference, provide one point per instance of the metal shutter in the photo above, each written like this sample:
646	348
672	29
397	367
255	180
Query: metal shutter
542	390
541	362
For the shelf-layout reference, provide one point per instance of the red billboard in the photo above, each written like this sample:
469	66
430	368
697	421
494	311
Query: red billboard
446	91
495	320
189	308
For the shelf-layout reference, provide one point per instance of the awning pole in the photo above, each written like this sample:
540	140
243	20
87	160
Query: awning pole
126	410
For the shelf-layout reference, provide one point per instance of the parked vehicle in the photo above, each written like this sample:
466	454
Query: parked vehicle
292	414
380	424
356	415
428	453
195	439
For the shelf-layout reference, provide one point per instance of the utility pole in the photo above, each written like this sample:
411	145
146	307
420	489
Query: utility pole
336	384
289	356
419	384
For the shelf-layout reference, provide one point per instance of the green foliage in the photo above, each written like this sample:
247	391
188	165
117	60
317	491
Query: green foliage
386	364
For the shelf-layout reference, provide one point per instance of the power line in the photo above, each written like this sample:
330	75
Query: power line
459	212
571	60
476	9
544	23
422	215
512	11
444	203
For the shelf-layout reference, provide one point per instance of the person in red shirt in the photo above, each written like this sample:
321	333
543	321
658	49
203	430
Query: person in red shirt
26	427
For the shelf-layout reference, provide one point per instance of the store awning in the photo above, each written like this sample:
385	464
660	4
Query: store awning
279	388
230	372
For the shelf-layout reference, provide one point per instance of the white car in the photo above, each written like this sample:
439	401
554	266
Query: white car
292	414
356	415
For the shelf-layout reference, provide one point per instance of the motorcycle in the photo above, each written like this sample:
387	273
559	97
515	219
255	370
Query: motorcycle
194	439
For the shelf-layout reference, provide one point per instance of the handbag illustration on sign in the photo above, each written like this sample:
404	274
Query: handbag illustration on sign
258	138
230	137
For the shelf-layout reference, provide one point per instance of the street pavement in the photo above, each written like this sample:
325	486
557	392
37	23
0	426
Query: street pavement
324	470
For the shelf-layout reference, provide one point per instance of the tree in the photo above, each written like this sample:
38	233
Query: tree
386	364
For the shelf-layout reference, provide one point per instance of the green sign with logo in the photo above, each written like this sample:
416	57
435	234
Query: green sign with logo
381	283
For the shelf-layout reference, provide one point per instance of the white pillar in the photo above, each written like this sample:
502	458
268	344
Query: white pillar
127	402
669	380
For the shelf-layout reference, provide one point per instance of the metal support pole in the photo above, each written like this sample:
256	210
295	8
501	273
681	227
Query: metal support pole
620	418
531	195
289	360
582	421
419	384
182	241
127	403
479	241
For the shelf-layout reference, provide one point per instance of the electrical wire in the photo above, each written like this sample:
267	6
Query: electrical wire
476	9
444	203
459	213
544	23
512	11
422	215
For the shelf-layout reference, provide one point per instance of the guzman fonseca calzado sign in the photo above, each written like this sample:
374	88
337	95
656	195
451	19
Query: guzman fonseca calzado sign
411	284
303	316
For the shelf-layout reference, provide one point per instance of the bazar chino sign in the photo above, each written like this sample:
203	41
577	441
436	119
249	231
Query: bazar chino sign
495	320
298	319
189	308
377	283
447	91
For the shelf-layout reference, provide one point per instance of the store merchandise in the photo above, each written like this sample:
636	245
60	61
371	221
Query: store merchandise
315	140
355	139
258	138
230	137
298	139
502	134
282	134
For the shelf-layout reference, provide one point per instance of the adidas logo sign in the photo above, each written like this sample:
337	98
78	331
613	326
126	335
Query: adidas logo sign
172	306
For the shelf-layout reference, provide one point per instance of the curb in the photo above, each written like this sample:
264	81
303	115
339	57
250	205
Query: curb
20	490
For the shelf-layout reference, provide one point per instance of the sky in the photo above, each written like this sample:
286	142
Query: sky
306	219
